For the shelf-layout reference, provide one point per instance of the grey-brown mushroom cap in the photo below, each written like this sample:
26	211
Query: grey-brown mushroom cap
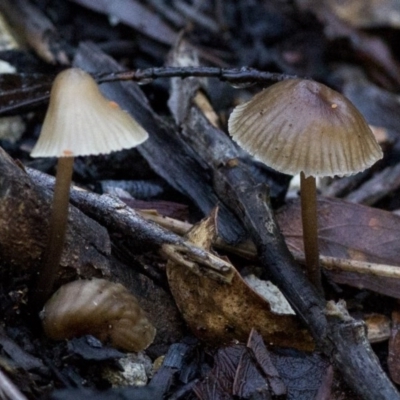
80	121
303	126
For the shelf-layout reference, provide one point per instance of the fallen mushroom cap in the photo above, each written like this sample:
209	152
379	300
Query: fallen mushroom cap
100	308
300	125
81	121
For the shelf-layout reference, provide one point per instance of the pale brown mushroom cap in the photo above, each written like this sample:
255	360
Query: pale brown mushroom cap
300	125
80	121
100	308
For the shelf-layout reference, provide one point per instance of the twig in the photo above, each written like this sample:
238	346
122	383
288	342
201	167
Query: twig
361	267
238	76
247	250
141	234
339	336
8	391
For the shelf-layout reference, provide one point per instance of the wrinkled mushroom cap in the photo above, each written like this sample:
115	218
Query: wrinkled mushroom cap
80	121
100	308
300	125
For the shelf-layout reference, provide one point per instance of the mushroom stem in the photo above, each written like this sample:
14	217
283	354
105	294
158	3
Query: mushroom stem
308	192
57	229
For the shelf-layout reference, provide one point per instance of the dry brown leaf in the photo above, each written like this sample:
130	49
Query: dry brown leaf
350	231
346	230
378	327
218	312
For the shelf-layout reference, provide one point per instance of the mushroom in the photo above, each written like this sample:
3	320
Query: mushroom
301	126
79	121
99	308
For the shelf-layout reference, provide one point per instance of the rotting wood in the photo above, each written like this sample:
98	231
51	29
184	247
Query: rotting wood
24	211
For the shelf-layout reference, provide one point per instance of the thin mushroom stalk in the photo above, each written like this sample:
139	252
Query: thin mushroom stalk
57	230
308	193
80	121
301	126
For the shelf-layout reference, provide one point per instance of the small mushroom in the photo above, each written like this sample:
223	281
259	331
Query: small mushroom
99	308
301	126
79	121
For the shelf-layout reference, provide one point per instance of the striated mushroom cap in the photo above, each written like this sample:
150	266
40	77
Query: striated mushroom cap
300	125
100	308
80	121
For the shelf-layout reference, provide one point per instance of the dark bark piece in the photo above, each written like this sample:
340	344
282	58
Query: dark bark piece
214	148
136	15
91	349
9	390
140	393
379	107
157	389
342	186
20	357
168	155
376	52
192	13
36	29
24	212
139	189
381	185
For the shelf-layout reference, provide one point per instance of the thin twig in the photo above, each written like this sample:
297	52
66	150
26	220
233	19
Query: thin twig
8	391
248	250
239	76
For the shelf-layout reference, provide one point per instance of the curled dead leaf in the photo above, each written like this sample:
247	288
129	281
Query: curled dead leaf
218	311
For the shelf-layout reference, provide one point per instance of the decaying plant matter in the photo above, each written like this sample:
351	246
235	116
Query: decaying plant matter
197	164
